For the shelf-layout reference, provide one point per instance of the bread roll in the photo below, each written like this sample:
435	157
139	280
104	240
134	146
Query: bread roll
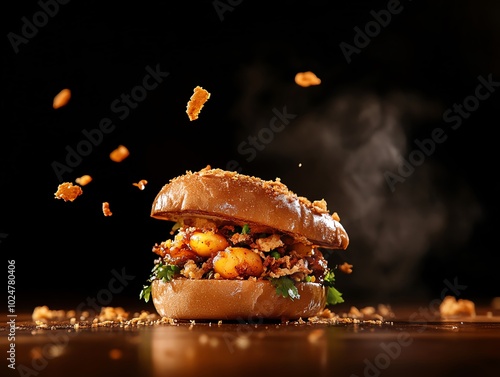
236	300
240	199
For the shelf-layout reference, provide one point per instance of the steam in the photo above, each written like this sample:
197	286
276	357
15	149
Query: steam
345	143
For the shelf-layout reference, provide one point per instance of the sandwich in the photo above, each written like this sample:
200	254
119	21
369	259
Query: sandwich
241	248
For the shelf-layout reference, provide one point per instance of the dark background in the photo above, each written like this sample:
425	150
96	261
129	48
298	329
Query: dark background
439	223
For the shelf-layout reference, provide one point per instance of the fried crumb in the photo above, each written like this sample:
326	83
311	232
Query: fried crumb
196	102
44	314
61	99
68	191
84	180
119	154
451	307
141	184
346	268
306	79
105	209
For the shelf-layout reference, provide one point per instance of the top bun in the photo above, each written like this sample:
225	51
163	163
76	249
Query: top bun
229	196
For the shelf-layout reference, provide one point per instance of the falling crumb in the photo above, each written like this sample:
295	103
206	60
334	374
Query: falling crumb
346	268
105	209
141	184
306	79
300	164
84	180
61	99
196	102
119	154
115	354
68	191
451	307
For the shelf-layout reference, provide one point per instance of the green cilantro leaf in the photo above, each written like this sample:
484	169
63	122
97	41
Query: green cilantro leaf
160	271
166	272
145	293
329	278
245	229
333	296
285	287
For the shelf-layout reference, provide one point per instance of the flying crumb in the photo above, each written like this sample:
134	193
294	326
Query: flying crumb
306	79
196	102
105	209
68	191
119	154
61	99
83	180
300	164
346	268
141	184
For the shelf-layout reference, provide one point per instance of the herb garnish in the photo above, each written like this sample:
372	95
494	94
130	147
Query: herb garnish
160	271
285	287
333	296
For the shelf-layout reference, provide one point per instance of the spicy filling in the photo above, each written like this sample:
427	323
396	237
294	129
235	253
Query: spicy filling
201	249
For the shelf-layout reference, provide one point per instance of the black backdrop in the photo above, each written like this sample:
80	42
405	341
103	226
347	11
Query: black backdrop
394	76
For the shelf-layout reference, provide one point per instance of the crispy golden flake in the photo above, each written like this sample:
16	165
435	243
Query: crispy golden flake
196	102
306	79
119	154
68	191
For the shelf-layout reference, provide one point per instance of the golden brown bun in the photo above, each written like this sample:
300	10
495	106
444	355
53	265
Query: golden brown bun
229	196
237	300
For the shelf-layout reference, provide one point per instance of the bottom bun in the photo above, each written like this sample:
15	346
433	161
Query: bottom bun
240	300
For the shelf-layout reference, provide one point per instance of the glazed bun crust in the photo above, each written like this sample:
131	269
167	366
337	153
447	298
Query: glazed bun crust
235	300
228	196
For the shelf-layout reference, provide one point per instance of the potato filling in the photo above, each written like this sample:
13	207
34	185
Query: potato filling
225	251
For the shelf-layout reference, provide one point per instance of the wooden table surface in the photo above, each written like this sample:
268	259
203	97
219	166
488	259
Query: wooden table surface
405	345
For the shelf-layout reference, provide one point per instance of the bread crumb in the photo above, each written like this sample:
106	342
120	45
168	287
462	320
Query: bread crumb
306	79
119	154
61	99
84	180
346	268
105	209
451	307
196	102
321	204
141	184
68	191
